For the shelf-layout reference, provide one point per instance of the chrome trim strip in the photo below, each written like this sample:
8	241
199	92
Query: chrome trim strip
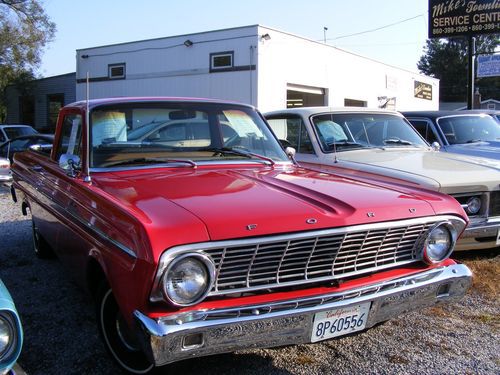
64	212
198	163
101	234
290	322
170	254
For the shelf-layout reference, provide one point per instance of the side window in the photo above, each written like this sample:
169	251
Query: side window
425	130
2	137
71	136
292	132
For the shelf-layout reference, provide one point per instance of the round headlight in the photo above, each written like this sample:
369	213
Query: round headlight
439	244
473	205
188	279
7	335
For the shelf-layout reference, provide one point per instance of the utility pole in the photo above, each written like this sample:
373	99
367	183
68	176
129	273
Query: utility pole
471	53
325	29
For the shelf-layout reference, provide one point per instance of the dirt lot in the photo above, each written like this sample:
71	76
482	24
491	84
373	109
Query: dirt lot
61	335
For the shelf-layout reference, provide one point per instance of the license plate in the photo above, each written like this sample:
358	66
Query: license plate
498	237
338	322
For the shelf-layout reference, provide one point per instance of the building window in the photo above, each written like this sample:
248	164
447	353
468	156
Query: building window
54	103
221	61
116	71
354	103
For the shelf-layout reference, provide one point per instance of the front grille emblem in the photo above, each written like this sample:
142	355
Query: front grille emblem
311	221
370	214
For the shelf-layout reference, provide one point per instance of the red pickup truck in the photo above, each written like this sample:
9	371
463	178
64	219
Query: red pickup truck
197	234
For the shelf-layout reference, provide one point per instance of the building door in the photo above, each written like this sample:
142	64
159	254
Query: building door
27	109
305	96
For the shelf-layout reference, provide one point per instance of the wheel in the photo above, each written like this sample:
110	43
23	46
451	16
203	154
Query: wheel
40	246
119	341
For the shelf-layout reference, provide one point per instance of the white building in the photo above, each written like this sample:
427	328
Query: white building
262	66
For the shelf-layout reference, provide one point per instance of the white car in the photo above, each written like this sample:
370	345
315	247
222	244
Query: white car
5	175
382	145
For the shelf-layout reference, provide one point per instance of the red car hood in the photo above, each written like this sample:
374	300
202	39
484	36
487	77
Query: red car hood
235	203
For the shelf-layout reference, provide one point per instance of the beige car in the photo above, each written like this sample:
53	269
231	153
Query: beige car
382	145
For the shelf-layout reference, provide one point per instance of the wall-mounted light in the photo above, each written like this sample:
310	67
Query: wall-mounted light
188	43
265	37
85	56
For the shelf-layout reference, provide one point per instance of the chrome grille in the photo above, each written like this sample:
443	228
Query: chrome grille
324	256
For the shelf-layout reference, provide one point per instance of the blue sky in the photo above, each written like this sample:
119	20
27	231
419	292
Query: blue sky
92	23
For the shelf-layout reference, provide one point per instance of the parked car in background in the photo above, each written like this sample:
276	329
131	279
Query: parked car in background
43	143
382	146
463	132
13	131
5	175
11	332
194	247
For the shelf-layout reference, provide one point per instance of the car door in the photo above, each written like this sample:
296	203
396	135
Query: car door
292	131
427	130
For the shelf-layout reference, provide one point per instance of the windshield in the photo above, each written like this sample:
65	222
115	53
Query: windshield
17	131
347	130
142	133
469	129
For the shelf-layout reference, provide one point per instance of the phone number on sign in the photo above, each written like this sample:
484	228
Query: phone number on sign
465	29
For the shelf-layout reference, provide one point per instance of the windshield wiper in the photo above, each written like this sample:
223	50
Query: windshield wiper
150	161
345	143
397	141
474	140
233	151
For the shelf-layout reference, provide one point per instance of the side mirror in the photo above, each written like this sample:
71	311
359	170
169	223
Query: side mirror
70	163
290	152
435	146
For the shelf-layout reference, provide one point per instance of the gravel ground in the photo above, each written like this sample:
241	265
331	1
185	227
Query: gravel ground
61	335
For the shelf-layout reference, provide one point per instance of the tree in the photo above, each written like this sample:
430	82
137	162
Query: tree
446	59
25	29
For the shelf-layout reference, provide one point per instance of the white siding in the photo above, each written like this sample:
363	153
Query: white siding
167	67
287	59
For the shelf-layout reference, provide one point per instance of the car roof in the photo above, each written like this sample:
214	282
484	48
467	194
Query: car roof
15	126
438	114
309	111
150	99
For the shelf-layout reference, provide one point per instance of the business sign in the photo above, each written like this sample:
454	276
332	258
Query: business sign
463	17
488	66
422	90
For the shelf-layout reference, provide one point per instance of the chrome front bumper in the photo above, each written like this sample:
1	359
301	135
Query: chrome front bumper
483	235
201	333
